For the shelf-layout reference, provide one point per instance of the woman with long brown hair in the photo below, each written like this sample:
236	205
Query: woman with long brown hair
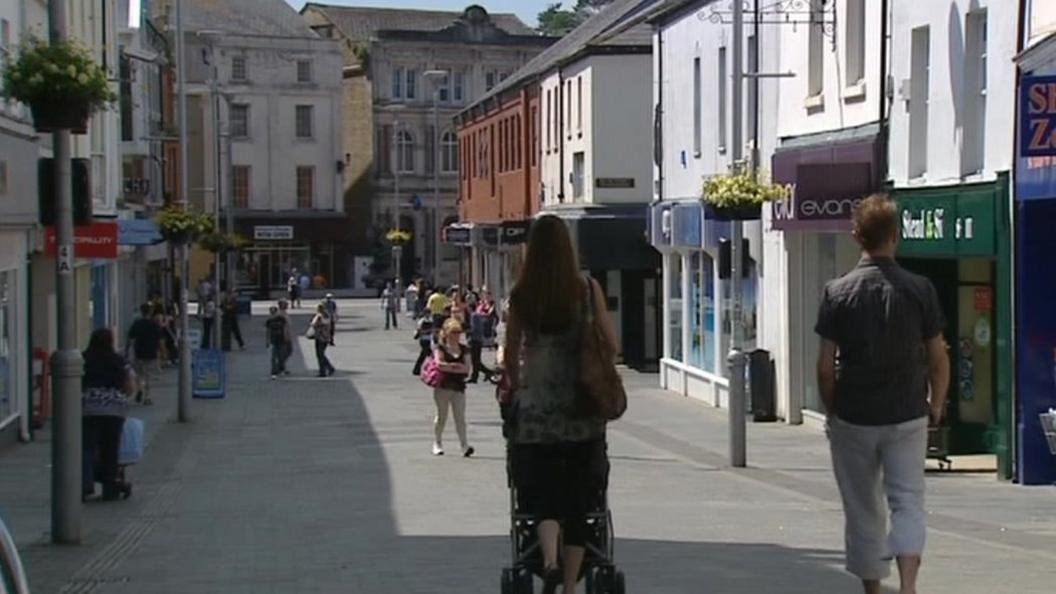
559	455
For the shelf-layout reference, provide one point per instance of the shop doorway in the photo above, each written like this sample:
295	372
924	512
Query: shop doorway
965	289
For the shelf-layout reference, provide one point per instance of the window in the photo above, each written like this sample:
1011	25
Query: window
404	152
697	123
919	88
443	90
751	114
579	104
568	108
459	87
3	178
240	186
503	76
449	152
815	49
973	141
548	108
722	86
238	68
304	121
674	306
412	83
518	143
854	40
5	37
578	170
240	121
305	186
304	71
535	136
490	79
125	96
397	83
701	312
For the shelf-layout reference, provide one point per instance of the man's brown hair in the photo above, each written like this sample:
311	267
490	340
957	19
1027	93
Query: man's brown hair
875	221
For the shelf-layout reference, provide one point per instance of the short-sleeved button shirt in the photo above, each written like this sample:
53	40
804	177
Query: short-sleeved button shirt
880	316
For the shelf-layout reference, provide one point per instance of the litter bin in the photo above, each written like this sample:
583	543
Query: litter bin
761	384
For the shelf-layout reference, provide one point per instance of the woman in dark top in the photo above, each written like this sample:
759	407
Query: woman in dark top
451	357
558	454
105	387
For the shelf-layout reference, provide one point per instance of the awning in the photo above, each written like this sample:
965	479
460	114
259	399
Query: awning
612	237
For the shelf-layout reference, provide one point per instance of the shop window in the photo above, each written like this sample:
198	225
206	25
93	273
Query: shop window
674	307
702	313
7	363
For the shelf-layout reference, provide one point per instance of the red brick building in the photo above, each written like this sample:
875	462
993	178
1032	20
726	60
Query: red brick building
498	189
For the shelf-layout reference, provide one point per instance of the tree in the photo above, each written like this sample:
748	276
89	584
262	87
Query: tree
558	21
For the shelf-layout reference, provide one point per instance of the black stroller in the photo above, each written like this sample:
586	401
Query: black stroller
598	570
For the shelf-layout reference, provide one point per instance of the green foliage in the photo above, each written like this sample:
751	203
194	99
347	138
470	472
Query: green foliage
219	242
559	22
179	225
740	188
398	237
45	70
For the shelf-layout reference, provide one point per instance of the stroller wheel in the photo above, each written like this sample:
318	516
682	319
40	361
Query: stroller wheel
509	583
524	583
618	583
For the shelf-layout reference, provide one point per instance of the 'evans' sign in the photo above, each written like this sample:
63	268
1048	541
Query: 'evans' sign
1037	117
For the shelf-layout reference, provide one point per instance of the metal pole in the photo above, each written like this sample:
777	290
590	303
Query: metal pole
737	401
184	397
66	363
229	188
436	185
396	251
217	195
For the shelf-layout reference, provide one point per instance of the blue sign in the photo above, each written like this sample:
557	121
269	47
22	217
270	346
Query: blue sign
137	232
1037	116
209	373
416	202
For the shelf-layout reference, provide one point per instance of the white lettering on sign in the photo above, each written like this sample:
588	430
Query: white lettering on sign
929	225
64	260
965	227
273	232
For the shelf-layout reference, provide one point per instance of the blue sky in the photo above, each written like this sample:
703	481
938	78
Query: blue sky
526	9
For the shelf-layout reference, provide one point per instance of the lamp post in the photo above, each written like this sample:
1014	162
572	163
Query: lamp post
214	91
438	78
737	398
184	393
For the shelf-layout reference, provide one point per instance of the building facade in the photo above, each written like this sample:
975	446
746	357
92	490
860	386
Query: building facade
263	90
419	69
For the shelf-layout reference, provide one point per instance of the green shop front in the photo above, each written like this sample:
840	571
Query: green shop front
959	237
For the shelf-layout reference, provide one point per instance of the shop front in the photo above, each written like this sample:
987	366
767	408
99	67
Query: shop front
315	246
828	174
1035	283
696	305
14	335
498	256
957	236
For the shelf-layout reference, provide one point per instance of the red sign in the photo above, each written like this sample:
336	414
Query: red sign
984	299
98	240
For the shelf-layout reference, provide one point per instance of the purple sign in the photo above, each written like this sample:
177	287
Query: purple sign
826	184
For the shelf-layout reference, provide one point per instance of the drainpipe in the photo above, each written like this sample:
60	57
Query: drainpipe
659	115
560	115
882	160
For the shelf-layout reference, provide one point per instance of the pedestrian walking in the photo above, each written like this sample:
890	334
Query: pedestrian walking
144	345
558	453
437	306
293	289
885	325
229	318
208	317
390	304
287	351
450	395
411	299
424	335
319	330
105	386
278	333
331	311
481	319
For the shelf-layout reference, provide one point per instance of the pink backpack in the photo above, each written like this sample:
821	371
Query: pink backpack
431	374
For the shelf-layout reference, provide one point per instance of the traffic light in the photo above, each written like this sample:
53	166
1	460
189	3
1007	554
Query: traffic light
726	258
82	191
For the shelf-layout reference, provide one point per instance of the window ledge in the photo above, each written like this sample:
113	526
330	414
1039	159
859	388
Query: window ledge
855	92
815	101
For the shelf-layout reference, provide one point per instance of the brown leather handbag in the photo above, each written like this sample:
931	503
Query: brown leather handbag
599	385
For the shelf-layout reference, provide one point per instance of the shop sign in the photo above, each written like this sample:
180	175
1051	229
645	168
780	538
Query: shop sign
614	183
273	232
515	232
489	236
98	240
138	232
1037	116
458	235
948	224
825	185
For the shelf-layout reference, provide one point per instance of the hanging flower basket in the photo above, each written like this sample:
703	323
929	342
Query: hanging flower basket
398	237
739	196
180	226
61	82
220	243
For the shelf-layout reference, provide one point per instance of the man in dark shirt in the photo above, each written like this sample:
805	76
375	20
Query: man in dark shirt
278	328
144	339
883	325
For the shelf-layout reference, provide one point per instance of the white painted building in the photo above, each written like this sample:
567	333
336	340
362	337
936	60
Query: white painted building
693	67
264	99
830	145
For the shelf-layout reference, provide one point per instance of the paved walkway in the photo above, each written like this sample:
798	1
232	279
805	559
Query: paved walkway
327	485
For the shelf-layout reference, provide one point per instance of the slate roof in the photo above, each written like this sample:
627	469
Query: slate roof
619	24
362	24
272	18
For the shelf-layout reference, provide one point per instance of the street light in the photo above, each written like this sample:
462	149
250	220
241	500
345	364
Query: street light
438	78
209	58
396	250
